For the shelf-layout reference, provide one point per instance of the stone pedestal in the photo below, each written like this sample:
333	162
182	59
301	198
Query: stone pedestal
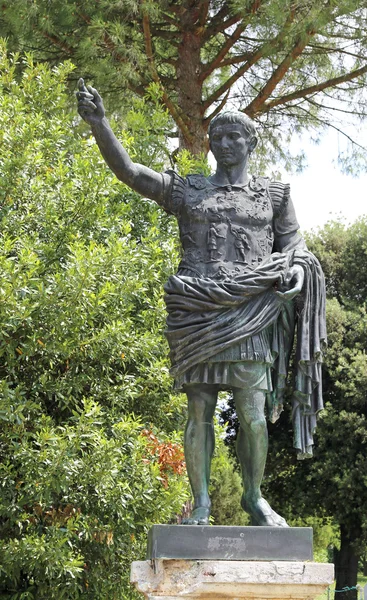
275	580
266	563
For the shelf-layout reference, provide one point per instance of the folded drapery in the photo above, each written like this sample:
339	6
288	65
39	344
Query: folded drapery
207	316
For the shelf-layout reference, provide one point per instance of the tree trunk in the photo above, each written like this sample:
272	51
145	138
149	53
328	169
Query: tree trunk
346	563
190	86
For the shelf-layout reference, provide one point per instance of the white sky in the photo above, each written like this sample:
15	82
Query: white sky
321	192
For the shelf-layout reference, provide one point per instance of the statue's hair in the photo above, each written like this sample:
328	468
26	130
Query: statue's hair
233	116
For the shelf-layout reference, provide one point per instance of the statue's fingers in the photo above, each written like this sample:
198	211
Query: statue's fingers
85	112
95	93
288	295
81	84
87	104
84	96
86	109
281	295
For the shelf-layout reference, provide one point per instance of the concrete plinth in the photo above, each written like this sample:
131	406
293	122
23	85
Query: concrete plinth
163	579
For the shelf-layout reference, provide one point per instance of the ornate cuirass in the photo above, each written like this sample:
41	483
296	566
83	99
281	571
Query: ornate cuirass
225	231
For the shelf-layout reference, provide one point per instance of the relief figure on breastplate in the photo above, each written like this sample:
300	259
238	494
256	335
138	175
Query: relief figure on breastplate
230	324
240	243
223	274
192	252
266	241
216	240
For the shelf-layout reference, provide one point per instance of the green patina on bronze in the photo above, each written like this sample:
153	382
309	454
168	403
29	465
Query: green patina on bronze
245	281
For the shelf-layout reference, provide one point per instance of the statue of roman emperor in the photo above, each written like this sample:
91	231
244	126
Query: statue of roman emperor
246	279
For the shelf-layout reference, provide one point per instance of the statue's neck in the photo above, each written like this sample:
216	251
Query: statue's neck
230	175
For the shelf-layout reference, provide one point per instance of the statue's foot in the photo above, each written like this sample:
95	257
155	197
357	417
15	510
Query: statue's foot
199	516
261	513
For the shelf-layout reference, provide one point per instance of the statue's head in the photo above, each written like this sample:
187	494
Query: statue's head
233	116
229	126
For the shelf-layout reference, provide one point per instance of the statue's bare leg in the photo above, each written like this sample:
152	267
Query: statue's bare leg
252	450
199	447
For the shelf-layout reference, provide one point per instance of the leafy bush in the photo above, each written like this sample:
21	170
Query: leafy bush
83	361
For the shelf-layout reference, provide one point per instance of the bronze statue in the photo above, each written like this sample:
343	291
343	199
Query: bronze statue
245	278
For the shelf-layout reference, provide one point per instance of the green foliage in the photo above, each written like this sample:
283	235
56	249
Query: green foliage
76	501
342	251
83	367
187	163
325	535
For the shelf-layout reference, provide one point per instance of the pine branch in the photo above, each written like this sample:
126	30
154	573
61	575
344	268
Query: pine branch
254	58
170	19
318	105
216	62
166	34
315	88
219	24
328	50
328	124
170	61
174	8
154	73
203	12
59	43
216	110
255	106
235	59
168	82
108	41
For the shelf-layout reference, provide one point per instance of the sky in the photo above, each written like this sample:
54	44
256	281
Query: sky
321	192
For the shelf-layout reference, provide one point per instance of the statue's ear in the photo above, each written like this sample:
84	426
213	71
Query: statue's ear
253	144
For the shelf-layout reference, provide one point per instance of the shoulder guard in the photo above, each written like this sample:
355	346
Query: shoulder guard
198	181
176	193
259	184
279	194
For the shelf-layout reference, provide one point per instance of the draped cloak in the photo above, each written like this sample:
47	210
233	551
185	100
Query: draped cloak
206	316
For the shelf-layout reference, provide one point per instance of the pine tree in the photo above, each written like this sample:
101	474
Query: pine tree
289	64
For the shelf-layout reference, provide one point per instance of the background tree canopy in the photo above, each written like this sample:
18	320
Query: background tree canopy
289	64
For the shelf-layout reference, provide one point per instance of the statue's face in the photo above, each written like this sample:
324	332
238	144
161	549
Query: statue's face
230	144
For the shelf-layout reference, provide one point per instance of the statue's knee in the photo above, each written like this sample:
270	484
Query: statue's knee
200	411
256	424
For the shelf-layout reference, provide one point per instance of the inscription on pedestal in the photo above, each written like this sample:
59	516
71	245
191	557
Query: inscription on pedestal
230	543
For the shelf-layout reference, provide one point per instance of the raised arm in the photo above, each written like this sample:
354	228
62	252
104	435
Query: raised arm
143	180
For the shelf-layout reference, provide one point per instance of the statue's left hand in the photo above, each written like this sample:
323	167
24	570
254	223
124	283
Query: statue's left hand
293	283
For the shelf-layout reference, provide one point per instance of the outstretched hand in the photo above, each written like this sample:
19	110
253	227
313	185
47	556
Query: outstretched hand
90	104
293	283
